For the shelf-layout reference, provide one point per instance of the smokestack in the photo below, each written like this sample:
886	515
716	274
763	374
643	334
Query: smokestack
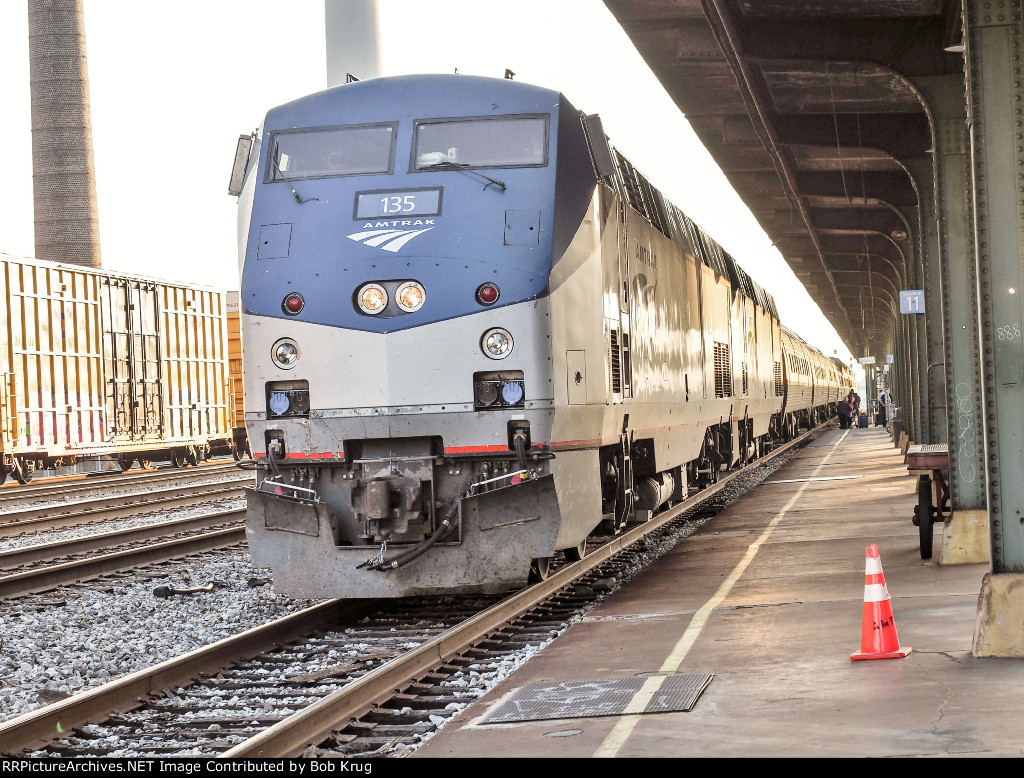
353	40
63	174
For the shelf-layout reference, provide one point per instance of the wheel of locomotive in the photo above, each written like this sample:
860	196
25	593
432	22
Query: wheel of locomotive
145	464
3	475
24	469
125	462
236	454
576	553
192	455
540	569
925	515
177	457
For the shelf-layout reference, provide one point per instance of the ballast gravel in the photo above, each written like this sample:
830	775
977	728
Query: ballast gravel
57	643
16	542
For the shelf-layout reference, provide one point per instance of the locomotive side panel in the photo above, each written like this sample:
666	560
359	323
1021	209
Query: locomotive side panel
696	364
669	410
580	341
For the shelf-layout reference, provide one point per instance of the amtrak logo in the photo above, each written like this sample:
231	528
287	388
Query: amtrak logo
390	239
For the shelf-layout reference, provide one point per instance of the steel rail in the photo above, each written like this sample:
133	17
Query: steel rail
58	548
114	507
292	735
40	726
62	486
48	577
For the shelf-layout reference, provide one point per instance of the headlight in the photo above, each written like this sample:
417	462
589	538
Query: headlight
410	296
285	353
372	299
497	343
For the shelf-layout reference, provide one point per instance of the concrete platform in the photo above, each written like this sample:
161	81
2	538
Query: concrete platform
769	599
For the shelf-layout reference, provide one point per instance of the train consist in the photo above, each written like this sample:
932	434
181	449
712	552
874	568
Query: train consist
99	364
475	335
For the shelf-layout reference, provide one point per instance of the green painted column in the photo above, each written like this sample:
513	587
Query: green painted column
907	378
994	50
947	102
927	327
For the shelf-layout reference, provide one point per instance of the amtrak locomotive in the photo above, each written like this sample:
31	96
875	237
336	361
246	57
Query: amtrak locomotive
475	335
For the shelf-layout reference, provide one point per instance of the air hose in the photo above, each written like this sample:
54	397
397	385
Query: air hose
386	565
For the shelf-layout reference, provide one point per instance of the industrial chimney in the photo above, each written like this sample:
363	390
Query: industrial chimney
63	174
352	30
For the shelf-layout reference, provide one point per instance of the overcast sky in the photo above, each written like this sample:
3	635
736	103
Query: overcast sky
173	85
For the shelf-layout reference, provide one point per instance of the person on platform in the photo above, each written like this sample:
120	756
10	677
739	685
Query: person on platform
880	418
845	410
854	400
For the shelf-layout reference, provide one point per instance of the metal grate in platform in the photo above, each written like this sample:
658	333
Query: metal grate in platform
586	699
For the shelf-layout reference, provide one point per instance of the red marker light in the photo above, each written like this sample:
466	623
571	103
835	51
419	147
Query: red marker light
487	294
293	303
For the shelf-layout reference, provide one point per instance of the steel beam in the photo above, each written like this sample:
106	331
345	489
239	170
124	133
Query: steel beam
947	101
994	50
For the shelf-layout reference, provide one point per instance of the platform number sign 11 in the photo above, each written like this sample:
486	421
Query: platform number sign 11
912	301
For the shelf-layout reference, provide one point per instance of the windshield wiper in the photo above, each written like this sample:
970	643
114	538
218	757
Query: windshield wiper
465	169
299	200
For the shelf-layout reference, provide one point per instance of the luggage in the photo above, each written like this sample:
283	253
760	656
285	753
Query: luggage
863	421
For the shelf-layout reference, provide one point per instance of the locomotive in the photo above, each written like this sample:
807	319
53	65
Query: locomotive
474	335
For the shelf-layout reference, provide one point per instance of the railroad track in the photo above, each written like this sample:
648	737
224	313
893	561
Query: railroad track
219	701
47	565
62	487
91	510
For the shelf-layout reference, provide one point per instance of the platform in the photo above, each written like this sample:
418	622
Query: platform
768	600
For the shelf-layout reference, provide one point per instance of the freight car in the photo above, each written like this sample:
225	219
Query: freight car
475	334
236	400
101	364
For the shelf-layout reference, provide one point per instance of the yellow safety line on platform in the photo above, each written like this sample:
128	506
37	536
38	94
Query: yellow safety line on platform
625	725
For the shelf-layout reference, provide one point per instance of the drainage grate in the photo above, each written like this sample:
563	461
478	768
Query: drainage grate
585	699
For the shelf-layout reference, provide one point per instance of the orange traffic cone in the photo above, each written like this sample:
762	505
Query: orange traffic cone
878	632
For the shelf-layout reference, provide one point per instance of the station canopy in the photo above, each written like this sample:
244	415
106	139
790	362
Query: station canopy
812	110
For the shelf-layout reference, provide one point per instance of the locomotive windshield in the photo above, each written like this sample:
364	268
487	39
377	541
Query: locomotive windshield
504	142
337	151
